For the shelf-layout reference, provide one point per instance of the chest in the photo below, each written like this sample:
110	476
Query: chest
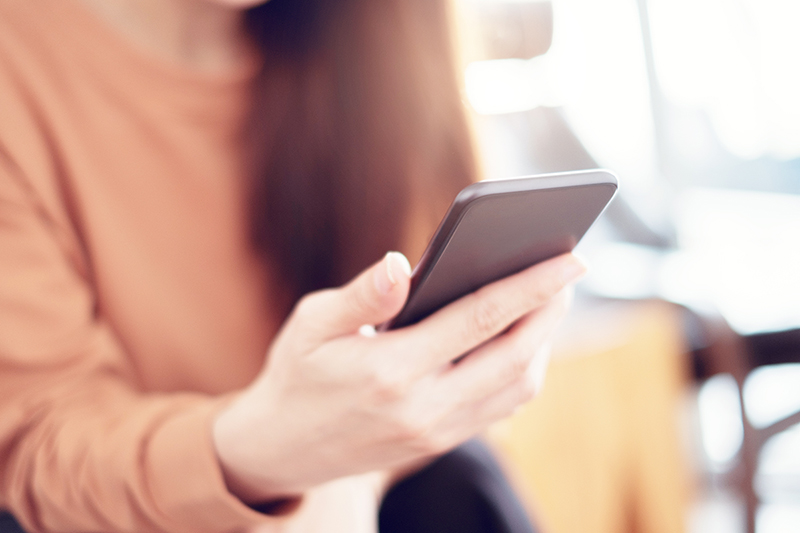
162	209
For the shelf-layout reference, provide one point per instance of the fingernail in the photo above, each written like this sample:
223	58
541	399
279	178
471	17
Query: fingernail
400	260
395	265
572	270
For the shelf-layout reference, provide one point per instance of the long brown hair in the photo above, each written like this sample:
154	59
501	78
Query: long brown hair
358	123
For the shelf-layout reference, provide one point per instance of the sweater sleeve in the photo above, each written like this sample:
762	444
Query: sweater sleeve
82	447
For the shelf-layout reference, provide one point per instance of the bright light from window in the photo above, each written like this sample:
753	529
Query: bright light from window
772	393
741	253
601	79
509	85
595	70
736	61
720	420
778	475
778	518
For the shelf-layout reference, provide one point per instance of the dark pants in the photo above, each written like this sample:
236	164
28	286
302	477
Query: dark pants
8	524
463	491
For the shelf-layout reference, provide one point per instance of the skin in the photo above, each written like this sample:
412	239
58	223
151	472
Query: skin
348	403
354	410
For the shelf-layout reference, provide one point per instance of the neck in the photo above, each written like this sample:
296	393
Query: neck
195	34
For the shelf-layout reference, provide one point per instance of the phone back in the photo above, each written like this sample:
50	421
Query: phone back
495	229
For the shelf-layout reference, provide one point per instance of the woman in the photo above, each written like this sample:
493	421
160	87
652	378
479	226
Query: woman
174	176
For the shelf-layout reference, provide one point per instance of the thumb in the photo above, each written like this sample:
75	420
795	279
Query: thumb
373	297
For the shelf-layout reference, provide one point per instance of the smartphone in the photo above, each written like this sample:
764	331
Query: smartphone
496	228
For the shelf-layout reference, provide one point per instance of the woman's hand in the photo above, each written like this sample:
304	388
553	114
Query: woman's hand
344	505
332	402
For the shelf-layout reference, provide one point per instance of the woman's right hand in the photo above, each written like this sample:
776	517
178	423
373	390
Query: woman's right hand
333	402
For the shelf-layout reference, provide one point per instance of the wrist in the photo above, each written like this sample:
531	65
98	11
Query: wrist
241	455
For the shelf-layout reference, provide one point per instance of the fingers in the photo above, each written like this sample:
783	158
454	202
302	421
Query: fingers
504	361
505	402
495	380
376	295
476	318
492	381
470	418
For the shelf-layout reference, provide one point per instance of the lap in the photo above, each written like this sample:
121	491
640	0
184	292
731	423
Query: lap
463	491
8	524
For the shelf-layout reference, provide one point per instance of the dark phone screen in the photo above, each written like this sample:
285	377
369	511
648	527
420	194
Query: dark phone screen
500	234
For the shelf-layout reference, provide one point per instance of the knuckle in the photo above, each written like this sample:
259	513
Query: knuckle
487	316
388	386
418	432
305	307
359	300
514	362
544	290
518	362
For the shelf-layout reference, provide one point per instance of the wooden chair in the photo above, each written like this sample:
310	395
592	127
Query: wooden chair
725	351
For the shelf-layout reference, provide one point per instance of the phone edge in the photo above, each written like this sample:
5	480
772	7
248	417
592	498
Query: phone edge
480	189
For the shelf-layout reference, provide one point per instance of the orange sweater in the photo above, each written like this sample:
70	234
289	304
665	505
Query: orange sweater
130	301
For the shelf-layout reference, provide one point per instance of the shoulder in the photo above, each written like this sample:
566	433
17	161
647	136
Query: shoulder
28	75
35	80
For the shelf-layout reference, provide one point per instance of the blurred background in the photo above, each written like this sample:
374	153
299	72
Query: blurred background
673	396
